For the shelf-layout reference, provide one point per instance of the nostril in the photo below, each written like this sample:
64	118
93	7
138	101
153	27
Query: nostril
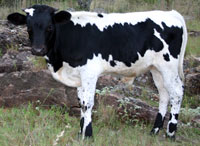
40	51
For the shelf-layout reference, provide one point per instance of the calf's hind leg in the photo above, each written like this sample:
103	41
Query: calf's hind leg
163	101
174	86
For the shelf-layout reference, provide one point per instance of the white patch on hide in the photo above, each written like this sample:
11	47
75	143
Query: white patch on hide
168	17
67	75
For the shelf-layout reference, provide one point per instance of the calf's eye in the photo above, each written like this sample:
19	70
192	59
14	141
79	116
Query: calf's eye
50	28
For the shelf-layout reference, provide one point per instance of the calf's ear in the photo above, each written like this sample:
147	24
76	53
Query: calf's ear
17	18
62	17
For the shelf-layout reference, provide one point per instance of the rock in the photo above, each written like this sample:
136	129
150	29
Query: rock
191	65
194	33
15	61
192	76
130	109
12	37
107	80
192	85
18	88
145	80
196	121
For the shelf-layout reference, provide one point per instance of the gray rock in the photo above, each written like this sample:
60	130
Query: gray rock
18	88
192	84
192	76
12	37
15	61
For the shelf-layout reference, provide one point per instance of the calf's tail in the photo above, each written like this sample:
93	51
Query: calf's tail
183	46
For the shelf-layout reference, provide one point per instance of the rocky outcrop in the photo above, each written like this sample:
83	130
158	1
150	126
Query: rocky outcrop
193	84
192	76
25	86
12	37
15	61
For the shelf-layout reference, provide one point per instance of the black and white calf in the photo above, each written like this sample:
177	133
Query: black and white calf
81	46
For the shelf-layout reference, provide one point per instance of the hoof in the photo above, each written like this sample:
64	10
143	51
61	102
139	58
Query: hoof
154	131
171	137
81	137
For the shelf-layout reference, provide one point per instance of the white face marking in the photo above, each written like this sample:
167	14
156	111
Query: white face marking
30	11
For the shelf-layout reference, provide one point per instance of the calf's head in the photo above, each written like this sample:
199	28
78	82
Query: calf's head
41	23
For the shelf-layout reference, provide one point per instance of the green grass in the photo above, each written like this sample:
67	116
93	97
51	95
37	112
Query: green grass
17	5
193	46
193	24
187	114
39	63
190	101
12	47
39	127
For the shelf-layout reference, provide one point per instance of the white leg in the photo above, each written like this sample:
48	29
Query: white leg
163	101
86	95
174	86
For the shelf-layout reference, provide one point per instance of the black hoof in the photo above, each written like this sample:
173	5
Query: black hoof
80	137
172	138
88	130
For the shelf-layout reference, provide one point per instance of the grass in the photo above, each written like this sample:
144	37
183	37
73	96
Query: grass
12	47
147	97
190	101
29	125
187	114
193	24
39	63
193	46
17	5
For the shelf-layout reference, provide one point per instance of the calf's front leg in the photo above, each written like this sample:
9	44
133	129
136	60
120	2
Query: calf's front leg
86	98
